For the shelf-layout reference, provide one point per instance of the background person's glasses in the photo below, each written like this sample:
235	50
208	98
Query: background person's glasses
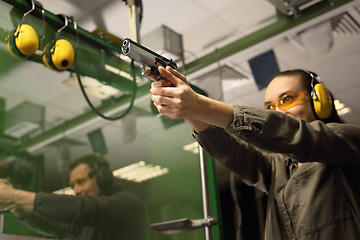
83	180
287	101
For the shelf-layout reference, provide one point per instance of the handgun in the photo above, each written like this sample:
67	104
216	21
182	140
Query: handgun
146	58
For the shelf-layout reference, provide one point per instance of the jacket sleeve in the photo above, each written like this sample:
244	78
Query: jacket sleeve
50	228
93	211
332	143
253	166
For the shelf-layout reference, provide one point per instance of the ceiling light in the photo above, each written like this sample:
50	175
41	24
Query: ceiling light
21	129
344	111
65	191
192	147
341	108
24	119
139	172
93	87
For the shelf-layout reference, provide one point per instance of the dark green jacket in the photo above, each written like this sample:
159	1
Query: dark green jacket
119	215
319	199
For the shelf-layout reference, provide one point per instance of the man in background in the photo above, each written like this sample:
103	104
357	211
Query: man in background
100	208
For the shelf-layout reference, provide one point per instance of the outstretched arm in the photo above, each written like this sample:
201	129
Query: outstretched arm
174	98
19	202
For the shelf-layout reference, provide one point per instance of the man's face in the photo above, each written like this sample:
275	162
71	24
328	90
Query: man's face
83	182
283	85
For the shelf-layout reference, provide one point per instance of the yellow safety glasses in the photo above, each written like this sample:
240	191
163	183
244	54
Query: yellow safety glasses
83	180
287	101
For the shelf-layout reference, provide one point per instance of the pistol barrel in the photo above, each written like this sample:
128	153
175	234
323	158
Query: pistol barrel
145	56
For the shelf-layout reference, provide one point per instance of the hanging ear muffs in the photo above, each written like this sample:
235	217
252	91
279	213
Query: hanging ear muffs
321	99
23	41
59	54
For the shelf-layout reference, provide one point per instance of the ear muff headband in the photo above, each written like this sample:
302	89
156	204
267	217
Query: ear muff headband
23	41
321	99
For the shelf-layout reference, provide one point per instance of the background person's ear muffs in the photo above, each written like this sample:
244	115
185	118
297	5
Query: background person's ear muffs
321	99
105	177
59	55
23	41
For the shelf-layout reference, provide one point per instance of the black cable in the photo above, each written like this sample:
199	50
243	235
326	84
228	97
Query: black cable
97	111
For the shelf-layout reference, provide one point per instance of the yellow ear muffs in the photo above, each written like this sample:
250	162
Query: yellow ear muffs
322	101
60	56
23	41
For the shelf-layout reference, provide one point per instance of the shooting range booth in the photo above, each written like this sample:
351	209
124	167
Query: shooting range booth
98	101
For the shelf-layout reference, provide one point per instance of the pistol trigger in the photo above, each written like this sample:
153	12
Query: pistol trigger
155	71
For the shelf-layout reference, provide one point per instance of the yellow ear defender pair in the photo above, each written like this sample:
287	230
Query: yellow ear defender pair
321	99
59	54
23	41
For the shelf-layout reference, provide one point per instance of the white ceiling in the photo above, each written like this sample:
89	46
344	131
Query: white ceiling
205	25
208	25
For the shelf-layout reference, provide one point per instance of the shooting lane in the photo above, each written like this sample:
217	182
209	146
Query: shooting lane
46	122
